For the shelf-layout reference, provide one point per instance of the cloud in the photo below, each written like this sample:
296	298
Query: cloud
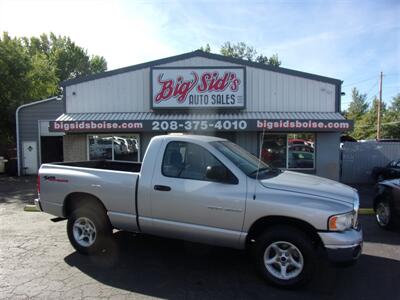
105	28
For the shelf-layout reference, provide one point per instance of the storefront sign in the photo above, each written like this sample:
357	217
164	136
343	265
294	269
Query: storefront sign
201	125
188	88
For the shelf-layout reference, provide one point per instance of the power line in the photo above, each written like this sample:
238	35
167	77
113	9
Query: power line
364	80
375	84
366	94
373	125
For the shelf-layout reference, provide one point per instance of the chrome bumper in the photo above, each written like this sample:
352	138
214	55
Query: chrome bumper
37	204
343	246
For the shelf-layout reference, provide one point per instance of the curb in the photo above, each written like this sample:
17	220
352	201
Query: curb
31	208
366	211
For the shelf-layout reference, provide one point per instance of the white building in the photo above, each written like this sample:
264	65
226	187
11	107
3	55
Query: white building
113	115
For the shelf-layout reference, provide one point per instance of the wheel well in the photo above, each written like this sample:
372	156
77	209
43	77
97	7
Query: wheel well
74	200
264	223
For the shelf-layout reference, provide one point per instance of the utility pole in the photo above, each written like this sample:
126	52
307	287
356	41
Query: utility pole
378	125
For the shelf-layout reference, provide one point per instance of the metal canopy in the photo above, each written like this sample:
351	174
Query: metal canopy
198	122
143	116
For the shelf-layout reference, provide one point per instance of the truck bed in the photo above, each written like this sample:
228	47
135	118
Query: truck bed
125	166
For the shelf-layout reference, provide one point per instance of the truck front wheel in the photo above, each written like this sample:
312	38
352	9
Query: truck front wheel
285	256
88	230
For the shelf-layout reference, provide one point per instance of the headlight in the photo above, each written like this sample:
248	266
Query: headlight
341	222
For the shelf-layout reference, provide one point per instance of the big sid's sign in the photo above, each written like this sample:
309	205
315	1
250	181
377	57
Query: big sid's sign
198	87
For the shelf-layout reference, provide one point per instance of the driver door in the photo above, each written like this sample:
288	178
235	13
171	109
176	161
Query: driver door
188	205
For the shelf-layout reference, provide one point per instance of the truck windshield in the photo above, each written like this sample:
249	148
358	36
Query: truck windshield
245	161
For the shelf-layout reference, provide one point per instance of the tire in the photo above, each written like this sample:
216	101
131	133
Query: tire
89	229
285	248
383	214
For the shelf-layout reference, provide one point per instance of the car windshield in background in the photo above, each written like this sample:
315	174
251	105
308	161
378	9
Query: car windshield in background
245	161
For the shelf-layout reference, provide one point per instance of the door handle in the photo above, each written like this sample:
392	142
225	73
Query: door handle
163	188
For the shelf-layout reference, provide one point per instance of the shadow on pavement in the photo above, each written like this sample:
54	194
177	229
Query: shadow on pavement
20	190
173	269
374	234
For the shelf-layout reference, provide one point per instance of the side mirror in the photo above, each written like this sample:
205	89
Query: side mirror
220	174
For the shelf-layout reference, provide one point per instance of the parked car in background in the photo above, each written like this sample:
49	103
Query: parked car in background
387	203
302	160
390	171
301	148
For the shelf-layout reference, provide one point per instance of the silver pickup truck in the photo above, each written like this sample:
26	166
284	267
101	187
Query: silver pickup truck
209	190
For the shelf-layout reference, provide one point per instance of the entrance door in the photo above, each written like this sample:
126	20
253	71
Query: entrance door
51	149
30	165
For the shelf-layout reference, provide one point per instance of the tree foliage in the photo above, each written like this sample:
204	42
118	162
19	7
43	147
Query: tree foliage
32	69
358	105
243	51
365	117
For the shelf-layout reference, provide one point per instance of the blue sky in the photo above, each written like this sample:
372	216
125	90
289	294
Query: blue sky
350	40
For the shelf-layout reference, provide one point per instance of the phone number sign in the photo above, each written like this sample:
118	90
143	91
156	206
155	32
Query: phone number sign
201	125
188	88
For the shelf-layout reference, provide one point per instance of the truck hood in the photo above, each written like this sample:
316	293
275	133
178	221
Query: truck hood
312	185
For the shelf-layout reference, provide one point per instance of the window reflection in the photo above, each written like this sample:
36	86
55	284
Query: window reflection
289	151
273	150
100	147
116	147
301	151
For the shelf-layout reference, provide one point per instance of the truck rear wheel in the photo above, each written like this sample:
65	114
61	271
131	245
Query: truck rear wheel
89	230
285	257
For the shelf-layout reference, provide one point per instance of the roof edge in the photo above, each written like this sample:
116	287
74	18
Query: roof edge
36	102
200	53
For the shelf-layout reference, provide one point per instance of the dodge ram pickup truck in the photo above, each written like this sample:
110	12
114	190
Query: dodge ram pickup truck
208	190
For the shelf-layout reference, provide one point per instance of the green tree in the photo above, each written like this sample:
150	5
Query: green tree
365	125
391	119
42	77
358	105
243	51
32	69
97	64
206	48
15	85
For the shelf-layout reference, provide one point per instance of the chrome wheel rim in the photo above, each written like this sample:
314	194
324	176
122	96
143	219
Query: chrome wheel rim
283	260
383	214
84	232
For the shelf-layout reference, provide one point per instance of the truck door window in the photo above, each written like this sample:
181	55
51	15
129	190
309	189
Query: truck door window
187	160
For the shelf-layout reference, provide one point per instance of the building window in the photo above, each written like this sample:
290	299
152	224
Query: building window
114	147
289	151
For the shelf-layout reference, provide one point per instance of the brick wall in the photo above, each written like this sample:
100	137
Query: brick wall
75	147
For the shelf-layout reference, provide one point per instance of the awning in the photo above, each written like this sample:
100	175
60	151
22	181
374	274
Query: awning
177	122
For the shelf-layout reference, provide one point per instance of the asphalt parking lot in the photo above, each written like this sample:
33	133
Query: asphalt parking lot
37	261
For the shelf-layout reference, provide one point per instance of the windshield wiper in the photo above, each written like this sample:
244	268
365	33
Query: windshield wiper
273	171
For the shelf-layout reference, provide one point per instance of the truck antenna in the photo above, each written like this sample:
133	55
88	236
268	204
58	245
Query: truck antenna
259	162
